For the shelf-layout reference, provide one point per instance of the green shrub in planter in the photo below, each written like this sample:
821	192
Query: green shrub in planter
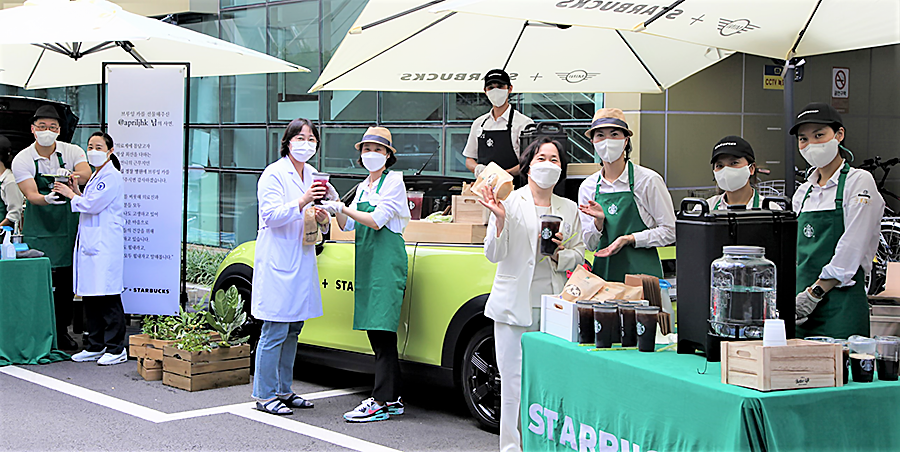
226	314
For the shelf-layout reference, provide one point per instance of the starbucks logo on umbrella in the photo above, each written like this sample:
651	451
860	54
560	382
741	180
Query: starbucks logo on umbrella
808	231
613	209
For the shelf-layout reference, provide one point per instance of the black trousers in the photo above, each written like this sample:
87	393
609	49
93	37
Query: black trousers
387	365
105	323
62	297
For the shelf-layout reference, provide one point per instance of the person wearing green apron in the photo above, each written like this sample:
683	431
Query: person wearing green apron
49	225
11	198
839	215
734	167
626	209
378	215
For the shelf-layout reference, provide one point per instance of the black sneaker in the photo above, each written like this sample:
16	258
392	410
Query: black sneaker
65	342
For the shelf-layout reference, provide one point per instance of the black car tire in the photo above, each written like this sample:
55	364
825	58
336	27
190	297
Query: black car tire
480	378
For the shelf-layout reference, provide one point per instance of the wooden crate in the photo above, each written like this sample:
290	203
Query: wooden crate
150	369
798	365
467	209
196	371
141	346
420	231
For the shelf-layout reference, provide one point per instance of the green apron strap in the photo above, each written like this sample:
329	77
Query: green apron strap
631	177
839	196
755	202
380	182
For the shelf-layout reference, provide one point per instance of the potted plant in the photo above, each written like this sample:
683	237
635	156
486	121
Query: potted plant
198	361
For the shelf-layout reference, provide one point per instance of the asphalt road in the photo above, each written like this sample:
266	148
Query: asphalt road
86	407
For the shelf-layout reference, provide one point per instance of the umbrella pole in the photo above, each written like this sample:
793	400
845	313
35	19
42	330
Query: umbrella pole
789	142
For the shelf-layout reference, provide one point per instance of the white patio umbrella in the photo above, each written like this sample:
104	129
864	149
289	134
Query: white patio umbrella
400	45
51	43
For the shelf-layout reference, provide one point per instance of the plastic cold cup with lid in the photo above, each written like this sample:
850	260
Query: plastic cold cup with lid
416	200
549	228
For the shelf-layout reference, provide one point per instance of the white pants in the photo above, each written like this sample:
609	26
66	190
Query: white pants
508	345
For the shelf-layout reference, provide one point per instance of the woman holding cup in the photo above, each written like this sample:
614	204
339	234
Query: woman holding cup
518	231
378	214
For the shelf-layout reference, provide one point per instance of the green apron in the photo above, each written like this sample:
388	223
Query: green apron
623	218
51	229
381	268
753	204
845	310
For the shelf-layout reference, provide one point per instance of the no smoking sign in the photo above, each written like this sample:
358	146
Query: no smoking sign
840	82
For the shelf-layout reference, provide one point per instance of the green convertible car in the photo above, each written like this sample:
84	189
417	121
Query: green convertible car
443	335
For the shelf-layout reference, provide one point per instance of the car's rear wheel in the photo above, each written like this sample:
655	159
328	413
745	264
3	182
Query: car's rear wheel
480	378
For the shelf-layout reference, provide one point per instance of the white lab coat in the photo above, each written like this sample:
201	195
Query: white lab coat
99	246
514	253
285	277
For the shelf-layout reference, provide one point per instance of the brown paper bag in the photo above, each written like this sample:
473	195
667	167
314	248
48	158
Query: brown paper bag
311	234
617	291
582	285
497	178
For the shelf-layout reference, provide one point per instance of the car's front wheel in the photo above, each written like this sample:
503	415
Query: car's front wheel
480	378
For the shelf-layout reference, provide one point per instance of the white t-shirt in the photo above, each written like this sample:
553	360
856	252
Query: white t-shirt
391	203
11	196
519	122
23	163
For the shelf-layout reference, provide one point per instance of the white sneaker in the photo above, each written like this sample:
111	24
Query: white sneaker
109	359
367	411
84	356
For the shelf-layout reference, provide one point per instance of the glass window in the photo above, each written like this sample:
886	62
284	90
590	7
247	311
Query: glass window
82	135
239	208
454	162
203	207
275	135
467	106
84	102
338	152
560	106
244	148
417	149
417	107
294	36
245	27
207	24
347	106
204	148
204	100
243	99
580	150
230	3
338	16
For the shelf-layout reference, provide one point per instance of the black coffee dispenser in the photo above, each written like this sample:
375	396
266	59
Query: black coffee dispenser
701	234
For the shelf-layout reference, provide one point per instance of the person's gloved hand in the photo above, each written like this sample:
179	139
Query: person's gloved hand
478	169
51	199
62	172
332	207
331	194
805	304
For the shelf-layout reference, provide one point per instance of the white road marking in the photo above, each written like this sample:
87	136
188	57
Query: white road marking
246	410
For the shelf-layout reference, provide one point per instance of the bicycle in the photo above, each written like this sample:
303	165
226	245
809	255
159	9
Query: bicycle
889	239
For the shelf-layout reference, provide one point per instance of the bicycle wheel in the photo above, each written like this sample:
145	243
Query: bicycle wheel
888	251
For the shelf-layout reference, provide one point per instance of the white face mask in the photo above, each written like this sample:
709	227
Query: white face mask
96	158
731	179
609	150
303	150
373	161
545	174
45	137
497	96
820	154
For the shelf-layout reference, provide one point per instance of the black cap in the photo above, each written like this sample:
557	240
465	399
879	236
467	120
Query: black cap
817	113
498	76
732	145
45	111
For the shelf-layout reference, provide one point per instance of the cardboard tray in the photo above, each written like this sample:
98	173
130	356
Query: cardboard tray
799	365
418	231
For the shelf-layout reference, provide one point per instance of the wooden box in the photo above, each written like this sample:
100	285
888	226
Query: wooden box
196	371
150	369
467	209
798	365
420	231
141	346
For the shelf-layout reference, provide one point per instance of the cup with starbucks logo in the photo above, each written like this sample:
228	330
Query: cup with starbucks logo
549	228
645	319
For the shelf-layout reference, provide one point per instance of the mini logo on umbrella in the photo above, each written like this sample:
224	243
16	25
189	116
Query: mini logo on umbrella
613	209
728	27
808	231
578	75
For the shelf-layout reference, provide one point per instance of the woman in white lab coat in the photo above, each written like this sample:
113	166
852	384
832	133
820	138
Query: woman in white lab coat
523	274
99	253
285	278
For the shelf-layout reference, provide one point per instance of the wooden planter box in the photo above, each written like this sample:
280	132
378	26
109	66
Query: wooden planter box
196	371
150	369
798	365
149	354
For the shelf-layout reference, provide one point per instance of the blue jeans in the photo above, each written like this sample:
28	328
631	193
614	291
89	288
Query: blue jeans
275	355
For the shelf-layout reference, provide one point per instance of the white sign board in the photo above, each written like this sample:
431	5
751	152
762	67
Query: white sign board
146	121
840	82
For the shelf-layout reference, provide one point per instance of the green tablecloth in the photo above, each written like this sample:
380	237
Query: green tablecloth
27	318
659	402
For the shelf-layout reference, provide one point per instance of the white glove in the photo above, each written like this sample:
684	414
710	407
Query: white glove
332	207
51	199
331	194
805	304
62	172
478	169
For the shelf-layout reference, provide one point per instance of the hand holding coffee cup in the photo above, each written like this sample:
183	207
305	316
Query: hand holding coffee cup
320	180
549	233
315	192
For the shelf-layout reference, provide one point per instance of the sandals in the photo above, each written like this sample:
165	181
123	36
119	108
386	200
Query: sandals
296	401
274	406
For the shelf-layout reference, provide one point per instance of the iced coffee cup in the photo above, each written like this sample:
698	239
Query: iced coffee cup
645	319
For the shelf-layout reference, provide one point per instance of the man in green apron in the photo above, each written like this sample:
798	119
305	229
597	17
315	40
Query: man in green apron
49	225
626	209
837	230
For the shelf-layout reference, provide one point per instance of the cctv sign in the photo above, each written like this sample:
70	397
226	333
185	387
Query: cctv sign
840	82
